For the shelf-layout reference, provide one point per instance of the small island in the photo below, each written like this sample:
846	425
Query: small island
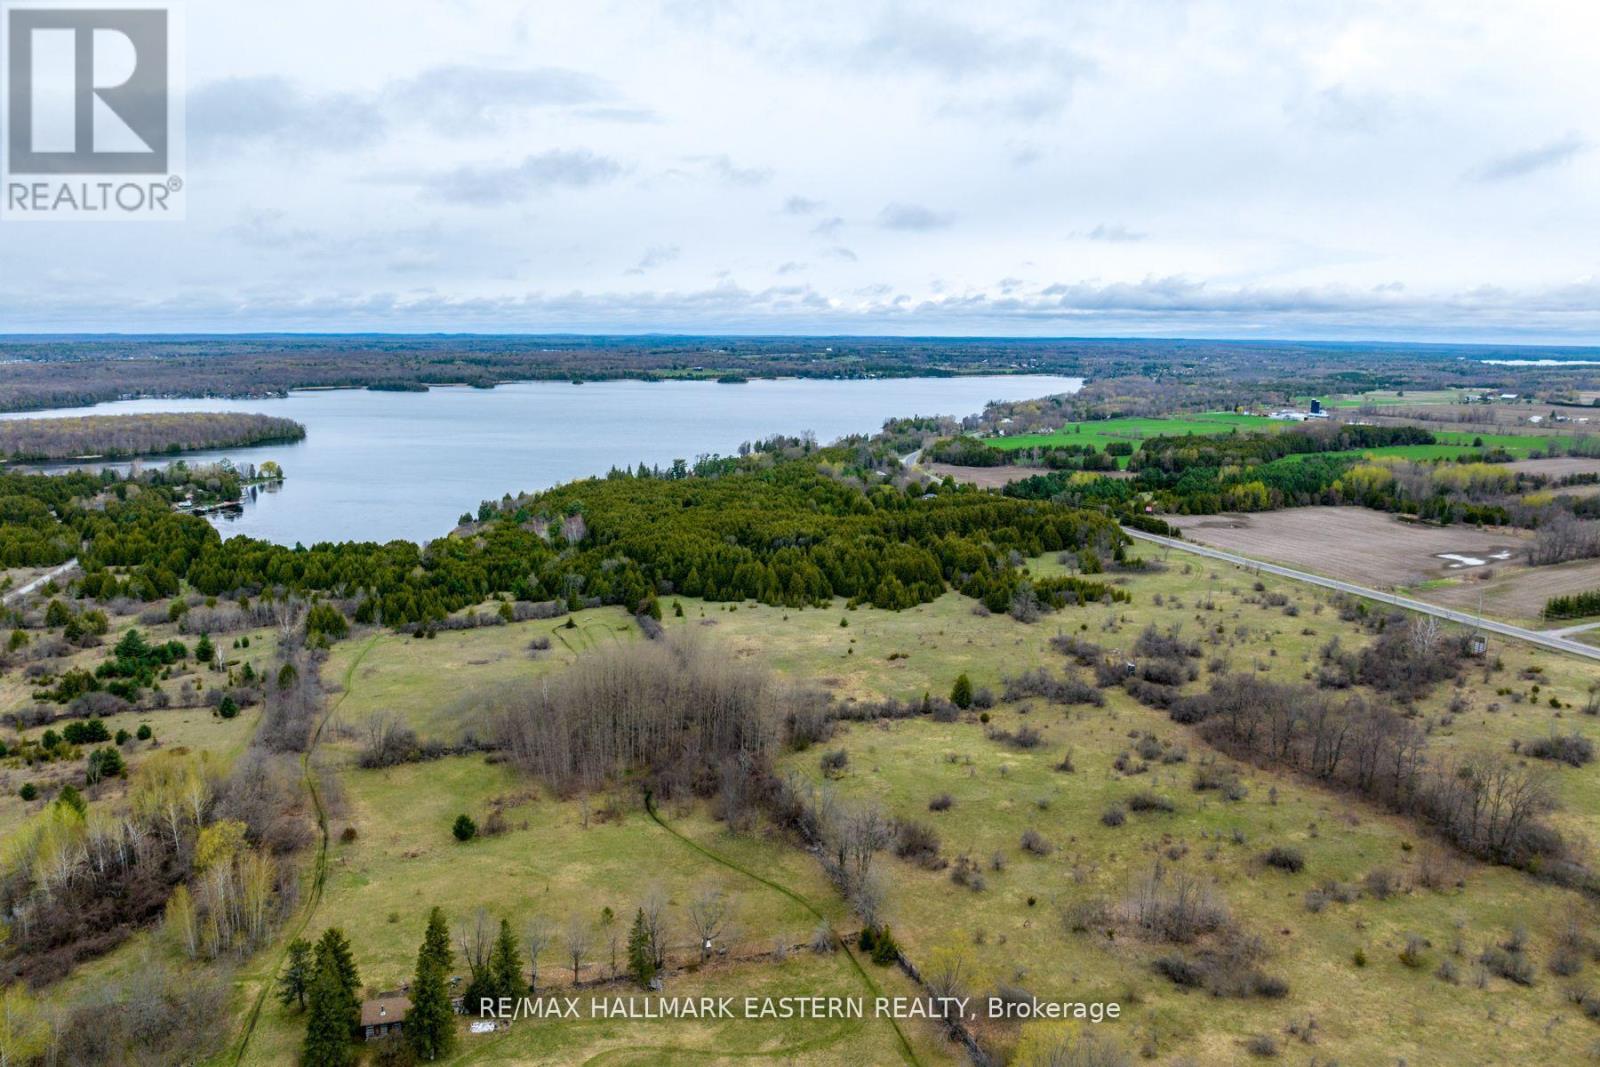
87	437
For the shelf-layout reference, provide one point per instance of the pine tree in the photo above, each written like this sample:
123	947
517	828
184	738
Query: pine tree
333	954
430	1024
295	981
505	964
328	1032
641	953
204	650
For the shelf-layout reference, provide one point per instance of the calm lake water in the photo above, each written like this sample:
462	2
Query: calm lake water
379	466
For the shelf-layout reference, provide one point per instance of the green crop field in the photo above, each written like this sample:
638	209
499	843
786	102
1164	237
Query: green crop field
1103	432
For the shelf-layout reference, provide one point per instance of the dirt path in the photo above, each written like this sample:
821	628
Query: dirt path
319	872
906	1051
18	594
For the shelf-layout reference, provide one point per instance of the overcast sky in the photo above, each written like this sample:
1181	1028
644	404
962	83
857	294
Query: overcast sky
1415	170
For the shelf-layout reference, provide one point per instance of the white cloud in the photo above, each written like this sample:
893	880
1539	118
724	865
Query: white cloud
1148	167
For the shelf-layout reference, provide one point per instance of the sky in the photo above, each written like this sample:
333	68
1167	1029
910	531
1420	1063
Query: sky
1250	168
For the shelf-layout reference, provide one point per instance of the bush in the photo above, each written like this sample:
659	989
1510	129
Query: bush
464	829
1573	749
917	842
1510	964
834	763
879	945
1285	859
1263	1045
1146	802
1034	842
1381	883
942	802
1115	815
144	733
29	791
961	693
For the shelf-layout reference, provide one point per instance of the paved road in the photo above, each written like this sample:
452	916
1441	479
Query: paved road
1544	639
22	591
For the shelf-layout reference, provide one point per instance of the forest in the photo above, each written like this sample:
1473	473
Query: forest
120	436
1129	377
780	530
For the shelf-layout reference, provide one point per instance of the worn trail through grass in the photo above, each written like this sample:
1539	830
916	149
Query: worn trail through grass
319	871
906	1051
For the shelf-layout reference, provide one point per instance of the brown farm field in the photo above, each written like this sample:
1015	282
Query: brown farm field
982	477
1353	544
1518	593
1378	550
1559	467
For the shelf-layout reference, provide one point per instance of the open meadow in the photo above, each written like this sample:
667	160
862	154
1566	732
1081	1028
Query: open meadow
1350	994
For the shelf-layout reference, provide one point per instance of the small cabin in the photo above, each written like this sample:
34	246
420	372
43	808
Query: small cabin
384	1016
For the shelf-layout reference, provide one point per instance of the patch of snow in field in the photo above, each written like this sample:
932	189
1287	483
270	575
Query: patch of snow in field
1464	561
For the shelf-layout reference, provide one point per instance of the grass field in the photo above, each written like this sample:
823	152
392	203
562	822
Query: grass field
563	859
1452	444
1102	432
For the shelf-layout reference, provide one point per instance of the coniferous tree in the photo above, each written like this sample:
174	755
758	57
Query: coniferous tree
328	1033
298	970
333	953
641	951
961	693
430	1024
505	964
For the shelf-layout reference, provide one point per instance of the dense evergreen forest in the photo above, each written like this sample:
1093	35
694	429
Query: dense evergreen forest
115	436
785	530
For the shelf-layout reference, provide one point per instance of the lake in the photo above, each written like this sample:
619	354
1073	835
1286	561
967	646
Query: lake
378	466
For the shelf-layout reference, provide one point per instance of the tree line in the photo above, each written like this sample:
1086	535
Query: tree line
780	530
116	436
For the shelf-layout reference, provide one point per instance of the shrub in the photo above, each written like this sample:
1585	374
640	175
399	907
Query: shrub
1115	815
1285	859
1034	842
144	733
961	693
464	829
1573	749
29	791
834	763
916	842
879	945
1146	801
942	802
1412	954
1263	1045
1381	883
1176	906
1510	964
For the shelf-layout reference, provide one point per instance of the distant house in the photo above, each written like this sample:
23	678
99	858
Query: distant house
384	1015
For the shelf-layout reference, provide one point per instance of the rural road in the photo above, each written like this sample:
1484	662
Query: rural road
1553	641
19	593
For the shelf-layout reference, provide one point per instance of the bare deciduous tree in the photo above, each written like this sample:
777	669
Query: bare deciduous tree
577	944
709	914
